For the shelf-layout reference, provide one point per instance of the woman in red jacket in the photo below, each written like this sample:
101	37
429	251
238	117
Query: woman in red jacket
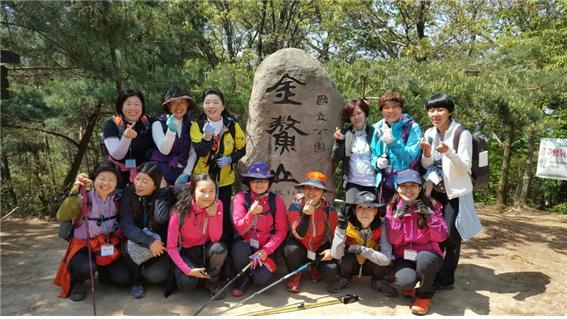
196	226
260	222
415	227
312	222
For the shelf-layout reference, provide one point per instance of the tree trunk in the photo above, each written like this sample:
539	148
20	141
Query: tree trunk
83	145
7	178
523	199
502	193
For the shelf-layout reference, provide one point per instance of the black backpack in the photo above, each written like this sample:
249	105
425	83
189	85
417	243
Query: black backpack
480	175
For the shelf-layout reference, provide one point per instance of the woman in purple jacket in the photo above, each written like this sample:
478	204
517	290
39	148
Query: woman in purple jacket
415	227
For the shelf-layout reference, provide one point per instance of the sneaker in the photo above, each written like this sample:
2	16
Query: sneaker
78	291
421	306
315	274
409	293
384	287
339	284
293	283
240	286
137	291
214	286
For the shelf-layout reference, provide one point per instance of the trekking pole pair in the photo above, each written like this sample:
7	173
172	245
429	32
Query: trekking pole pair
349	298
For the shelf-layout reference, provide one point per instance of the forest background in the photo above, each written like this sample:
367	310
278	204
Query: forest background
504	62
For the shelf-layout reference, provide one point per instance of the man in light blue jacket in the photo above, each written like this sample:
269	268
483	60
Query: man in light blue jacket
395	145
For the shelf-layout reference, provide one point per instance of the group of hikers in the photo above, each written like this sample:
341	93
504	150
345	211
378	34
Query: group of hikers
160	209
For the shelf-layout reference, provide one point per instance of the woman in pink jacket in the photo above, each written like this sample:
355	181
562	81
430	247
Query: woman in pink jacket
202	254
260	223
415	227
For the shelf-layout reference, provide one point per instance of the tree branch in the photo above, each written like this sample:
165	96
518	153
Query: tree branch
68	139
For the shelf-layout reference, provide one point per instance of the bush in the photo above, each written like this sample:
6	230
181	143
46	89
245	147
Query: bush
559	209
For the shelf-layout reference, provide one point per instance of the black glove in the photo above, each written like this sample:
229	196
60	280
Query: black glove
401	211
355	249
343	218
422	208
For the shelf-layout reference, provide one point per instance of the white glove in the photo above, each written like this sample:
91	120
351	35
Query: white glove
382	162
387	136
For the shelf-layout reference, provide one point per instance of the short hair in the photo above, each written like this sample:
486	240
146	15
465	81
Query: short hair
107	166
391	97
440	100
350	106
124	95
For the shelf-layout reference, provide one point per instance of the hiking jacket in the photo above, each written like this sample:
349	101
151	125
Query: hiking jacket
456	165
198	229
270	235
400	154
315	230
233	146
342	149
404	233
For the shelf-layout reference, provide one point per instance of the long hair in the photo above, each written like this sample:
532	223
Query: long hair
428	201
186	196
156	174
351	213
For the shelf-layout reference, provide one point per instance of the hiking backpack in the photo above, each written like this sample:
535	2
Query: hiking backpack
480	175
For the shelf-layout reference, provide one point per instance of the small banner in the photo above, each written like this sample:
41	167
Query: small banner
552	161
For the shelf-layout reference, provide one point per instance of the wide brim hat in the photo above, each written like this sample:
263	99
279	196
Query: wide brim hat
176	93
258	170
315	179
355	197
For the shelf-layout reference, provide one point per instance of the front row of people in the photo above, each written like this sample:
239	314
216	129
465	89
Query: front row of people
181	227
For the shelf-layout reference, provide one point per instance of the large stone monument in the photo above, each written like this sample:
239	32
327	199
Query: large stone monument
294	109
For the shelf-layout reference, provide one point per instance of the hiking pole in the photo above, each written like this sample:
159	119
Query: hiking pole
224	288
84	195
302	306
300	269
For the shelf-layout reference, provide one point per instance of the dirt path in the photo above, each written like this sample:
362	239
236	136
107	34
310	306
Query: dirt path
516	266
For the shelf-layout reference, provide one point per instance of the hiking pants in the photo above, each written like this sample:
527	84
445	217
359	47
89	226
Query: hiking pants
210	256
114	273
154	270
224	195
295	255
350	267
452	245
240	253
423	269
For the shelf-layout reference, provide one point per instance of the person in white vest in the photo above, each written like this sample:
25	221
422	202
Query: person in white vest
448	171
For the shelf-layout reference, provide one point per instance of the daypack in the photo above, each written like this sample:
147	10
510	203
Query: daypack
416	163
480	175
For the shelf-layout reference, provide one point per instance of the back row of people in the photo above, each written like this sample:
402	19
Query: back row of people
391	152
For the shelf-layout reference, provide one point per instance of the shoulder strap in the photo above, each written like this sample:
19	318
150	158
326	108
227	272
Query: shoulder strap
457	136
119	124
272	205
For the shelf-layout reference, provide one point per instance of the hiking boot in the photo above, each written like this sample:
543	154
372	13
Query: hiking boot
339	284
137	291
78	291
240	286
294	282
384	287
438	287
421	306
409	293
315	274
214	286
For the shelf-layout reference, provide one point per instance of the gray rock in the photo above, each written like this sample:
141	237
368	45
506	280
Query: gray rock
293	112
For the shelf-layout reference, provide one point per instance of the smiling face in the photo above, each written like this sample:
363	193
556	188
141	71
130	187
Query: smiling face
205	193
105	183
132	109
178	108
213	107
358	118
144	185
391	112
259	186
365	214
313	193
439	117
409	191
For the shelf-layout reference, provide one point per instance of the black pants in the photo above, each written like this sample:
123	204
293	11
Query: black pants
154	270
452	246
225	192
423	269
240	253
350	267
210	256
115	272
295	255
